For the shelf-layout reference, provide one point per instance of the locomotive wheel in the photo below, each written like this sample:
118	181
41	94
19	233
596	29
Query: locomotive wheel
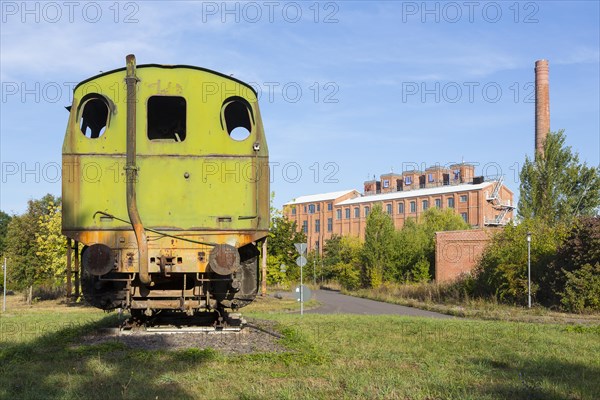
104	294
247	275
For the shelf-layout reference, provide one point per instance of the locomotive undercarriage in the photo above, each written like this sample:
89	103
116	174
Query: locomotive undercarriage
206	294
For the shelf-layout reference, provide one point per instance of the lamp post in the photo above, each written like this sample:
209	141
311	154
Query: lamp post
529	268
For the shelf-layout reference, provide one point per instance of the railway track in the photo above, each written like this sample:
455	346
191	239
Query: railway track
168	321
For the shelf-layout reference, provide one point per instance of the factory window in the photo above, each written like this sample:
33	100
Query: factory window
338	214
166	118
465	217
401	208
293	210
438	203
329	206
329	224
311	208
450	202
317	225
425	204
305	226
413	207
463	198
388	209
430	178
347	213
367	210
408	180
93	115
318	207
237	117
356	212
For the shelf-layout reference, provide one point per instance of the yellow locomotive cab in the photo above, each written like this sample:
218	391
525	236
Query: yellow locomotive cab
166	185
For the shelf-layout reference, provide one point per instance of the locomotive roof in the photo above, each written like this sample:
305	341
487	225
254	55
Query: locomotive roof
183	66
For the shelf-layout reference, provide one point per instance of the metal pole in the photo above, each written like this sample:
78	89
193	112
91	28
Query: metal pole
4	268
314	272
76	265
69	268
263	263
529	269
301	294
131	170
321	271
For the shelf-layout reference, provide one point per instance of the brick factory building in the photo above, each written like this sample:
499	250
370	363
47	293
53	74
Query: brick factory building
481	203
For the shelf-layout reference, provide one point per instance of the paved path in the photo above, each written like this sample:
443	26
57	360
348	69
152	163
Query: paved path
333	302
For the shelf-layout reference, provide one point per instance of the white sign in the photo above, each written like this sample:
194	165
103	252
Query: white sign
301	261
300	247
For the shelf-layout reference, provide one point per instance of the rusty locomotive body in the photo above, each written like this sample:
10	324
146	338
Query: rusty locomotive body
166	186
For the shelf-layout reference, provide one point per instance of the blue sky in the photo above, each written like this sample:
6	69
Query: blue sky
348	89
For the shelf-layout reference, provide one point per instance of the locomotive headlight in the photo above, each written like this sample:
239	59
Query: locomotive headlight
256	146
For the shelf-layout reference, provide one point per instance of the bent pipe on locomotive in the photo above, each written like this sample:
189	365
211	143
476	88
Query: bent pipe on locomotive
196	196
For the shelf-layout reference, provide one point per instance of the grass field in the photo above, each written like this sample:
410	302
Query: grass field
329	356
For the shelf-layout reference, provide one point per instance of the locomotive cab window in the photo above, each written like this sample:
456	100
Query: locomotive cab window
93	115
237	118
166	118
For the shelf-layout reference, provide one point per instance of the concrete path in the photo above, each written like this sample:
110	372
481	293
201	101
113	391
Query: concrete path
333	302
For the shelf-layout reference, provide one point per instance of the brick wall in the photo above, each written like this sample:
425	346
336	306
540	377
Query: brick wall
457	252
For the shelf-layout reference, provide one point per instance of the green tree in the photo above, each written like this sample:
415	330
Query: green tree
274	273
415	244
576	262
4	221
282	236
555	186
378	249
436	220
582	289
502	270
410	256
51	248
331	256
21	251
347	268
26	265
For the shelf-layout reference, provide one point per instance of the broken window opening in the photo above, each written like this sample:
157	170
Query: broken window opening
237	118
166	118
93	115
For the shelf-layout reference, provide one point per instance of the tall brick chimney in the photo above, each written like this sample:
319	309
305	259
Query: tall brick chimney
542	105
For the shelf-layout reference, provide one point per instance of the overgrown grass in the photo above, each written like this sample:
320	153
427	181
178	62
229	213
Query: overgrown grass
452	299
272	304
329	356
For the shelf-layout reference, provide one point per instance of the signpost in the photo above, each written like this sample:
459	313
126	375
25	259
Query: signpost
301	261
4	287
529	269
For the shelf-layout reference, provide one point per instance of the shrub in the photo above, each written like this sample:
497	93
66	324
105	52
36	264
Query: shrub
274	274
348	275
502	270
582	289
581	247
420	271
